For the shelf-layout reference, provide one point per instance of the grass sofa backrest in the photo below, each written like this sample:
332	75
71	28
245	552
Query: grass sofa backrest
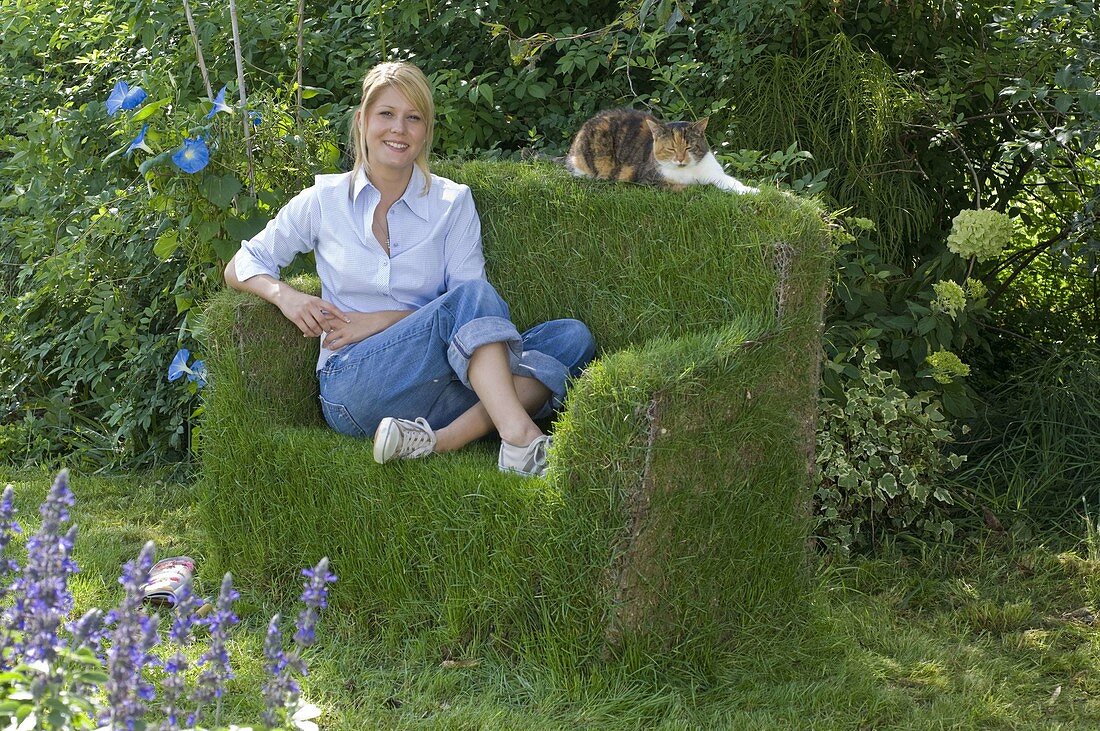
633	263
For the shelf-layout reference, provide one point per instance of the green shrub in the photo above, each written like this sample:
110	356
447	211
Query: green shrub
880	462
918	322
108	253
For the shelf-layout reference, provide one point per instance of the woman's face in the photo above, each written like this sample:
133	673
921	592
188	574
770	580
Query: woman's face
394	131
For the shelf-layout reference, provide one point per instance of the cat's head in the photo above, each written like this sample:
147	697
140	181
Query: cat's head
679	143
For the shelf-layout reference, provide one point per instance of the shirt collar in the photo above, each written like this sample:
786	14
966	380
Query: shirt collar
414	197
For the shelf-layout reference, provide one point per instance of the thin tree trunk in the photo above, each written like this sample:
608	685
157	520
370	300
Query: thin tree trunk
198	50
245	119
301	56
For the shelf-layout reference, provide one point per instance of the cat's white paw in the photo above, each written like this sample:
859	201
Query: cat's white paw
733	185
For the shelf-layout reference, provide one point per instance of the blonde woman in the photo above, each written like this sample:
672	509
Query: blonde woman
417	348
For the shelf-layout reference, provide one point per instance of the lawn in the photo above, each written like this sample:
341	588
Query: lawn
990	632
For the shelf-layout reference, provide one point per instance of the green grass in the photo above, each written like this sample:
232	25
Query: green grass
981	635
1034	452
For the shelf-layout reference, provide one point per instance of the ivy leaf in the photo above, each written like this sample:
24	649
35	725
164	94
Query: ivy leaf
225	248
221	189
245	228
151	109
154	161
166	244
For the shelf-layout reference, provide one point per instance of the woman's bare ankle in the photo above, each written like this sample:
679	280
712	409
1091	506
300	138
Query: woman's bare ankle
447	441
521	435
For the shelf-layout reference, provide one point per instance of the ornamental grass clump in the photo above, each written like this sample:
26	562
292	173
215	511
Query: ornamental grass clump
93	673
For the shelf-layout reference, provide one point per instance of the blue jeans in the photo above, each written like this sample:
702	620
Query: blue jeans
417	367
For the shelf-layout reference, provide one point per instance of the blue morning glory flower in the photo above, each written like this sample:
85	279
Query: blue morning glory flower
193	156
138	143
178	367
123	97
256	118
219	105
198	373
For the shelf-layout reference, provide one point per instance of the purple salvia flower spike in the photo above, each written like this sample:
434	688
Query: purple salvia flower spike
86	634
184	619
8	527
8	566
281	690
174	684
315	598
132	640
42	597
87	631
216	671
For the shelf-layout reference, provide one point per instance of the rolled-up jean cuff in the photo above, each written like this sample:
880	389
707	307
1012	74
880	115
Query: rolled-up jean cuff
550	372
473	335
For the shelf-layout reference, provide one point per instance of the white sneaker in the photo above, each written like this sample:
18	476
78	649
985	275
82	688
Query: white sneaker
529	461
402	439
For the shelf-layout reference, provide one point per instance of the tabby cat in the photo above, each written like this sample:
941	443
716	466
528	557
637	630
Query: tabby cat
630	145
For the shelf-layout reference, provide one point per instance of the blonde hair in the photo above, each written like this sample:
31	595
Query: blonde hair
411	82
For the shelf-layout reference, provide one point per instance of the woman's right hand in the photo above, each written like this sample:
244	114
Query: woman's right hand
311	314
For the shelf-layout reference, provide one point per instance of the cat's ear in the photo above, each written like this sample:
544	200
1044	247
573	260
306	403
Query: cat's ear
654	128
701	125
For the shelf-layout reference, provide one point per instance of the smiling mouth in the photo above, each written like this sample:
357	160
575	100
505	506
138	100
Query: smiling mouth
399	146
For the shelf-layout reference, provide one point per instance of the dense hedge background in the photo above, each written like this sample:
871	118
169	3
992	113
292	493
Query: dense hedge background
899	115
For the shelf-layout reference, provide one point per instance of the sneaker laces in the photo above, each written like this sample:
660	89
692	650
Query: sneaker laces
417	438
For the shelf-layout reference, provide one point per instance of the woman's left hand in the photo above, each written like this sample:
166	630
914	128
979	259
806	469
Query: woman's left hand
359	326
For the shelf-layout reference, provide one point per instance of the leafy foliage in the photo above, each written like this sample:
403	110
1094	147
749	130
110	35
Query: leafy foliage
112	249
880	466
906	318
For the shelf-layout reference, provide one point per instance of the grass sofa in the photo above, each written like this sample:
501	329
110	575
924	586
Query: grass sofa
675	512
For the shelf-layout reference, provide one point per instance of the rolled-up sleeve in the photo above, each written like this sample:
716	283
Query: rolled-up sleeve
291	232
465	260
